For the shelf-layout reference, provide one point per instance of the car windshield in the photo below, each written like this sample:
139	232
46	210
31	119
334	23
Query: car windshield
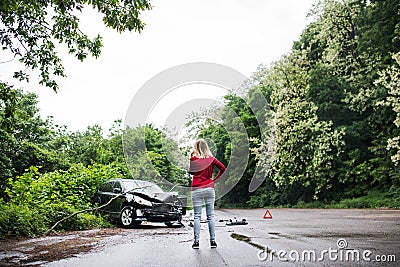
142	186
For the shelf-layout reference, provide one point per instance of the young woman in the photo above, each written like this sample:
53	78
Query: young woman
201	167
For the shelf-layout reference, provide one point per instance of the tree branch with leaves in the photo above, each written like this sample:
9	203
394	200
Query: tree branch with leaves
92	209
30	30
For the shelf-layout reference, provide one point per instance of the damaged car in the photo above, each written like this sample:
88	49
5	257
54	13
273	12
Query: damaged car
135	201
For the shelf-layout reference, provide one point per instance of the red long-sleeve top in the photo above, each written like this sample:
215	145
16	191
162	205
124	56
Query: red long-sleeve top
202	170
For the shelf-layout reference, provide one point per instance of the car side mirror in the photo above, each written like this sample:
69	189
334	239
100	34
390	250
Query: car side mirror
117	190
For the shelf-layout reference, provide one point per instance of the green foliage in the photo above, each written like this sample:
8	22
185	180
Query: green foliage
29	30
24	136
151	154
332	130
51	196
333	116
82	221
230	140
374	199
75	186
390	79
306	146
269	195
20	220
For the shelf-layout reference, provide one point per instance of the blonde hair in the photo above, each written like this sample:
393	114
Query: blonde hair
201	149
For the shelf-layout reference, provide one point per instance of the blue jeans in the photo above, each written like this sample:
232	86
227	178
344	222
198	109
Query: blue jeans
208	194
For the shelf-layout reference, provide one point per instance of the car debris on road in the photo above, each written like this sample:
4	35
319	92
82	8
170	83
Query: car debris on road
236	222
229	222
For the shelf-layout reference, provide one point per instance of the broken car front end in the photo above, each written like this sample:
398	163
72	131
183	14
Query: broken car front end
165	208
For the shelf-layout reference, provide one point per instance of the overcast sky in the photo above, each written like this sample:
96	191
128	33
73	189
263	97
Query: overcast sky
240	34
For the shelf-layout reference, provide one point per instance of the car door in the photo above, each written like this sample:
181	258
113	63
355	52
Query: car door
105	195
116	205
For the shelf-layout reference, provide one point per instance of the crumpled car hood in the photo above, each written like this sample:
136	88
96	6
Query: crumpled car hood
166	197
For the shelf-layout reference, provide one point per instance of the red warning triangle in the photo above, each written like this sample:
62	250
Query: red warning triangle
267	215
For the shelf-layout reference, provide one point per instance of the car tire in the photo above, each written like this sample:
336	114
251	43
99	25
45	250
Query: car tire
127	217
183	210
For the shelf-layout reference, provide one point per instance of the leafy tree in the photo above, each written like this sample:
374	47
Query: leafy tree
355	41
306	145
390	79
151	154
232	138
29	30
24	135
87	147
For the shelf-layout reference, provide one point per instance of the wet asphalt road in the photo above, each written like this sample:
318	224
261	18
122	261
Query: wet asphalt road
293	237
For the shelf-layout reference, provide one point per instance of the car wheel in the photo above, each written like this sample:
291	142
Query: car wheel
127	217
168	224
183	210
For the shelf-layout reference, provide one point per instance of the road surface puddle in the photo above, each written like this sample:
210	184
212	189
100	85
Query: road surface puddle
246	239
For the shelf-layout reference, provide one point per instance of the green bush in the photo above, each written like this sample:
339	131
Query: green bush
20	220
257	201
81	221
309	205
374	199
37	201
75	186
